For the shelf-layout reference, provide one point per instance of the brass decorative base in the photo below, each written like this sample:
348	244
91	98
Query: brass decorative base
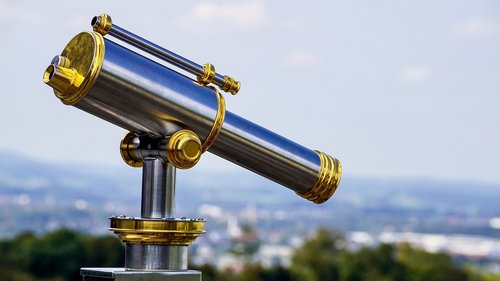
176	232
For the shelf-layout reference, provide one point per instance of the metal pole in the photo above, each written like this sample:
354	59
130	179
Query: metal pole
158	189
158	202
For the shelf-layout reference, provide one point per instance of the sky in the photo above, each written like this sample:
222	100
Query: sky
394	88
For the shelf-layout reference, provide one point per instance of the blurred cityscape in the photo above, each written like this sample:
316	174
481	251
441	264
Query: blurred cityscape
251	215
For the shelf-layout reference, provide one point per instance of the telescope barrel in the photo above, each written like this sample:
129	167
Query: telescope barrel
116	84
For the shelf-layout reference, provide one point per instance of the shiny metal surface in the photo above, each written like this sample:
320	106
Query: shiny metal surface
266	153
170	192
156	257
121	274
162	53
142	96
158	189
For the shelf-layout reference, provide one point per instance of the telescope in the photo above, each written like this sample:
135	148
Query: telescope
174	111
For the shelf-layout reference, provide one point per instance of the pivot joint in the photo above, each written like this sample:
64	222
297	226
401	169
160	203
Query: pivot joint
182	149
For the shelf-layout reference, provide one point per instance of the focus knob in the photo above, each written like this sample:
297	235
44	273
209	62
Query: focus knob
183	149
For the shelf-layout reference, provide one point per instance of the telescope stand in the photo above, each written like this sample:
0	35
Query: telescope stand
156	244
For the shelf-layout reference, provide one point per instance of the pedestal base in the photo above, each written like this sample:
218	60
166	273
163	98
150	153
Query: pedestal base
121	274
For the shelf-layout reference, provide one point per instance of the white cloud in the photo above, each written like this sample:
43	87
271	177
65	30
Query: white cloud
300	59
478	27
250	15
416	74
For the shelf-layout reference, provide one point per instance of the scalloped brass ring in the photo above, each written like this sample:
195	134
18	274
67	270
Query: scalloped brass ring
219	120
157	231
328	180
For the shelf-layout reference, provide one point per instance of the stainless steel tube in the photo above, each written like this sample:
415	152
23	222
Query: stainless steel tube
143	96
157	51
156	257
158	189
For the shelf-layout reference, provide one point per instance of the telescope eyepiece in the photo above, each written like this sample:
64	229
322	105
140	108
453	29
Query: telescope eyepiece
64	80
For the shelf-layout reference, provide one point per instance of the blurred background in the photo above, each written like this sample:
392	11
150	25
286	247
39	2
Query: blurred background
405	93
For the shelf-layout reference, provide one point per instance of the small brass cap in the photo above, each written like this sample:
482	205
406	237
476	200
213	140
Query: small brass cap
327	182
230	85
102	24
184	149
128	146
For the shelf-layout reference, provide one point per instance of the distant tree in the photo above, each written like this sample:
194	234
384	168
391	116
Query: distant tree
209	273
59	253
56	256
316	260
371	264
425	266
256	272
103	251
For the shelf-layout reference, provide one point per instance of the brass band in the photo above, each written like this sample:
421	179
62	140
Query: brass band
219	120
208	74
157	231
328	180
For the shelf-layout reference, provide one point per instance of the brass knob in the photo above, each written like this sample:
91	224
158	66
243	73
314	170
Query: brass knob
184	149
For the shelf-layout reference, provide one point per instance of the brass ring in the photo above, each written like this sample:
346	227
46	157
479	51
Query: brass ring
208	74
327	182
157	231
102	24
219	119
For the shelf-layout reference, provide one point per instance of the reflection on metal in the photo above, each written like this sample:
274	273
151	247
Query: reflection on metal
144	97
172	120
206	74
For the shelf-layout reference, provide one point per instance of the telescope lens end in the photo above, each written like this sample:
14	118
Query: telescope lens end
328	180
